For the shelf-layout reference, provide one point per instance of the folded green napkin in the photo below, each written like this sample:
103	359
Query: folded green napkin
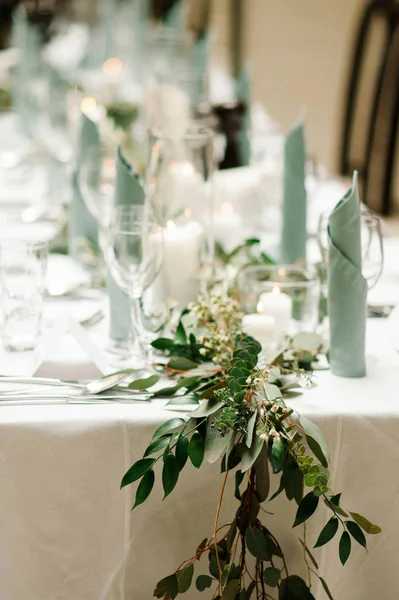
82	225
128	190
347	288
293	241
243	89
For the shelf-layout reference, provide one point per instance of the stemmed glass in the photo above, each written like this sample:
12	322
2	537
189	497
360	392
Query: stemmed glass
133	250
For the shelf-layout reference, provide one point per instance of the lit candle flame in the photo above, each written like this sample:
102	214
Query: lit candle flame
259	307
170	225
281	271
112	67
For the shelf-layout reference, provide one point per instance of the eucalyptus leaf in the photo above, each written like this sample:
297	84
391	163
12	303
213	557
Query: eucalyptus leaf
182	451
307	341
203	582
158	444
250	430
170	474
328	532
207	408
182	364
215	442
344	547
294	588
308	552
163	344
262	478
306	508
256	542
180	335
186	400
231	590
356	533
137	470
231	536
249	455
184	579
272	391
325	587
168	586
365	524
170	425
144	384
196	449
277	454
316	440
145	488
271	576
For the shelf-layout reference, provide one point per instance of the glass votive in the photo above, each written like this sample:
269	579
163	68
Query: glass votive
287	295
22	281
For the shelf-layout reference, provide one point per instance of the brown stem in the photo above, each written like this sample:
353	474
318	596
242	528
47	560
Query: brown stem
215	528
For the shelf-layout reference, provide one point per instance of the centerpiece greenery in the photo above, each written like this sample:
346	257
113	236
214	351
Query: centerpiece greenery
239	417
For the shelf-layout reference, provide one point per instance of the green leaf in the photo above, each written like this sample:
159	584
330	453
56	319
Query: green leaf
158	444
182	451
207	408
325	587
168	426
185	400
307	341
249	455
214	568
273	391
262	477
163	344
238	477
256	542
292	480
215	442
231	536
231	590
203	582
182	364
277	454
170	474
356	533
180	335
145	488
271	576
308	552
196	449
344	547
316	441
335	507
294	588
365	524
144	384
306	508
168	585
137	470
250	430
328	532
184	579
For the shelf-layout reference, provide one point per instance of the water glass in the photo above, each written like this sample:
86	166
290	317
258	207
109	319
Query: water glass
22	281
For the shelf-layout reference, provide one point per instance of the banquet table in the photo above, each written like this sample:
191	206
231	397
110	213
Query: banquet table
67	531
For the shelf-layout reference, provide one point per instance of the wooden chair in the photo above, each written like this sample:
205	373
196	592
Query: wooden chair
368	134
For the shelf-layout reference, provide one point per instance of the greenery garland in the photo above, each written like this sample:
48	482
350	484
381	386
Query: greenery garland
240	418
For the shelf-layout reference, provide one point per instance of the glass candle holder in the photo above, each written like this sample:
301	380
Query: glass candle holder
286	296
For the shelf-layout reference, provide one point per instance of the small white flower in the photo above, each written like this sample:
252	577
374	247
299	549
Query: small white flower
274	408
263	436
248	380
203	351
273	432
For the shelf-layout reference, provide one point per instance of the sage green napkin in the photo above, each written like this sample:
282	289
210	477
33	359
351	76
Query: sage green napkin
293	241
82	225
128	190
347	288
243	87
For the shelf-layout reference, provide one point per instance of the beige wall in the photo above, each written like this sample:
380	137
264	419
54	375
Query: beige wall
300	51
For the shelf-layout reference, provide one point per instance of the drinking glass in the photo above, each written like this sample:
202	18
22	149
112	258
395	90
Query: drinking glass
133	249
22	279
180	191
372	245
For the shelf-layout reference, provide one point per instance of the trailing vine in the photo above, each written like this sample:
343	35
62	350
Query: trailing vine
241	419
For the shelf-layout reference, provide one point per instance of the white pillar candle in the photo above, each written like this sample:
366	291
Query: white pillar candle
181	264
228	227
279	306
259	326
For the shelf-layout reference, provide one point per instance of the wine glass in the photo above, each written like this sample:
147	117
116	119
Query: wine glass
371	242
133	250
